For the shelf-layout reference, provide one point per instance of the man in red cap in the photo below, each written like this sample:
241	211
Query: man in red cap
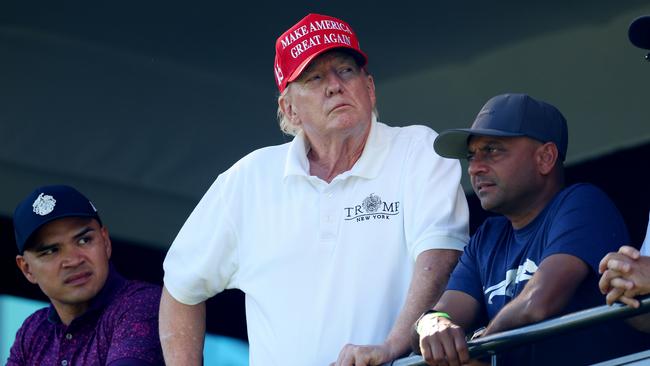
339	239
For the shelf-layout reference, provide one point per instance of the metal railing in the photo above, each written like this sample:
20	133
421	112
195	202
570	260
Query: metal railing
495	343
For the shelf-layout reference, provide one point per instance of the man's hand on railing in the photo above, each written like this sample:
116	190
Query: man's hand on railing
441	341
369	355
625	275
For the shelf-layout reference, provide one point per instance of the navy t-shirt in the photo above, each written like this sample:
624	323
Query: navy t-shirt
498	262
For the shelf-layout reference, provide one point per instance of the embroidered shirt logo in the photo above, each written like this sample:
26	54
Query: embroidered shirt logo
506	287
43	204
372	208
371	203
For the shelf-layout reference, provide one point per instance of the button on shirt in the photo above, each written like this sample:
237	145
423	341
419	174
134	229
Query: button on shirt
120	328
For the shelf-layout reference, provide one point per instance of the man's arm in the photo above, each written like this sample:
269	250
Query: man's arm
545	294
430	276
182	331
441	340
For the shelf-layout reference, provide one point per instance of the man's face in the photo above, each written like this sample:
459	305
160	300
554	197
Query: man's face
68	259
333	95
503	172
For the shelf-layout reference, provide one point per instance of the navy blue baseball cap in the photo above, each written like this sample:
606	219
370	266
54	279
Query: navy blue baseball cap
639	32
46	204
508	115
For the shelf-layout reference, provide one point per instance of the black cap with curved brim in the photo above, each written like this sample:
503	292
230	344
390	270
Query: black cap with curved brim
639	32
46	204
508	115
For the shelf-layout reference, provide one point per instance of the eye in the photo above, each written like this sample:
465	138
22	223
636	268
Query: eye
48	252
470	156
312	78
84	240
347	71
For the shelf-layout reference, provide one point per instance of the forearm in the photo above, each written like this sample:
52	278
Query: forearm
430	276
545	295
515	314
182	331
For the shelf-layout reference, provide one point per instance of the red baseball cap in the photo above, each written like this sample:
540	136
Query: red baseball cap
311	36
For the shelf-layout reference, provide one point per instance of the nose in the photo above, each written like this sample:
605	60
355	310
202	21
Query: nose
333	85
476	166
72	256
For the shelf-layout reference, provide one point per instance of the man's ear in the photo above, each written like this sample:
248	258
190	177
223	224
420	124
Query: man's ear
370	84
546	156
23	265
288	109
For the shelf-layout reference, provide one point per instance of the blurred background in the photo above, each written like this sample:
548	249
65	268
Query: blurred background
141	104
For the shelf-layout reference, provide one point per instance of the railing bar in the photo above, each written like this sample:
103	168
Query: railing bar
497	342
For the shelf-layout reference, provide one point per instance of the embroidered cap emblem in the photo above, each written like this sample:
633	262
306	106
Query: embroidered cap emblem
43	204
371	203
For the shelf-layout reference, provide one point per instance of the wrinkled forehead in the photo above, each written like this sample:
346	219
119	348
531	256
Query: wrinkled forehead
339	55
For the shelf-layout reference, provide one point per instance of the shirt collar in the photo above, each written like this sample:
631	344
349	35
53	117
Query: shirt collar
368	165
114	282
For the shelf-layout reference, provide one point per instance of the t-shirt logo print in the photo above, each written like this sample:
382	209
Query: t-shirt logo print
372	208
43	204
505	288
371	203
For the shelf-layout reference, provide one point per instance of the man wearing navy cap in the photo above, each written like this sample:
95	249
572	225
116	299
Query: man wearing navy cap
96	317
540	258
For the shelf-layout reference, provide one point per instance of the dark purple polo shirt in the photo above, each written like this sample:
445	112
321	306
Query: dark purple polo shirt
119	328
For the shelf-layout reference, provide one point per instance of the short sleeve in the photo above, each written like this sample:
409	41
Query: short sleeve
203	258
586	225
466	276
135	340
436	215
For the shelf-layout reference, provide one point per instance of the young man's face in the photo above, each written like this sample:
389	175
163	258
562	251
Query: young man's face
68	259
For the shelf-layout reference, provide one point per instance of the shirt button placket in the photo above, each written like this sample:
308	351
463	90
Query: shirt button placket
328	215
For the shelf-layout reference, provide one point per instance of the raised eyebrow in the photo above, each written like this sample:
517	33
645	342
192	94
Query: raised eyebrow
83	232
306	75
41	247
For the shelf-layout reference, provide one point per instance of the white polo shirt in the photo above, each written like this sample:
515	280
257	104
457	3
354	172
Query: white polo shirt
321	264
